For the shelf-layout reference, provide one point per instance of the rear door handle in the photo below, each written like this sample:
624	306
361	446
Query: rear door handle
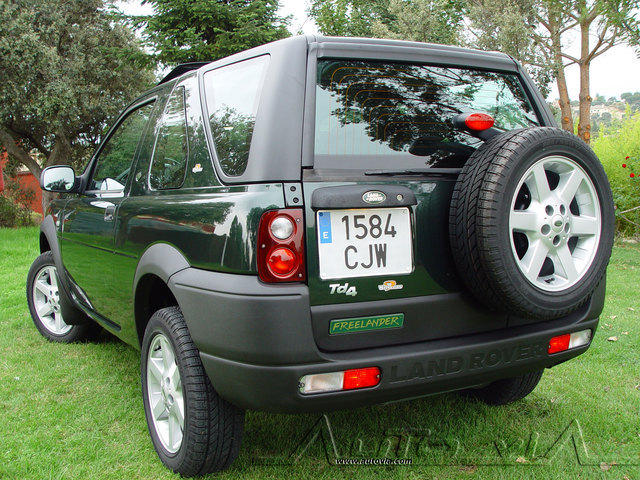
353	196
109	212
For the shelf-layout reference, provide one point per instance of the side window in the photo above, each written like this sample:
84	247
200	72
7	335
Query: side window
115	158
232	95
169	163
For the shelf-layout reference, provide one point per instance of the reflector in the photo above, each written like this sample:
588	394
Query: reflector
569	341
334	381
559	343
360	378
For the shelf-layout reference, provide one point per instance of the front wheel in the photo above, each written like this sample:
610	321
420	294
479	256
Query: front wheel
193	430
43	298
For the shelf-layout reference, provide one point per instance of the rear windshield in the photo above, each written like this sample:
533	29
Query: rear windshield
372	115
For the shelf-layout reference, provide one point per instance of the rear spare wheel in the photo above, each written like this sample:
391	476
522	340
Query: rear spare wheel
532	222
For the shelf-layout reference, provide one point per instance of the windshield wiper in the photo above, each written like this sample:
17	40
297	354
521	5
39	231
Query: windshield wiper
415	171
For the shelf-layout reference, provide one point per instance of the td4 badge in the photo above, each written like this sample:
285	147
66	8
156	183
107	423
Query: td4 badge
343	289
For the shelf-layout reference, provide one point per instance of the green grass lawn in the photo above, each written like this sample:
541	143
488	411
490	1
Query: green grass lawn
75	411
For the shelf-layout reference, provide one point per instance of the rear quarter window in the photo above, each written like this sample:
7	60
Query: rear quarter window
373	114
232	96
169	163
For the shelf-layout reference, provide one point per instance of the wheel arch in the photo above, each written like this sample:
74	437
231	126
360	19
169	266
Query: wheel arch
44	243
151	290
49	240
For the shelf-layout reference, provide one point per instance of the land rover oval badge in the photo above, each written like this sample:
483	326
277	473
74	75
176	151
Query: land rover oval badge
374	196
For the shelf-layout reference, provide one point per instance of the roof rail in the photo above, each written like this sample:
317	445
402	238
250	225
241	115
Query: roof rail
180	69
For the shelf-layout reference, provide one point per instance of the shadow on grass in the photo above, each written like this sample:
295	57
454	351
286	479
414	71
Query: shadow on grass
386	430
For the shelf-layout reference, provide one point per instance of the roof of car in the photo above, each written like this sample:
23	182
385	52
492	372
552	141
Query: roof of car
400	43
333	42
181	69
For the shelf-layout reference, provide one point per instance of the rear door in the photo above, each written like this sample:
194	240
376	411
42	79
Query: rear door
386	157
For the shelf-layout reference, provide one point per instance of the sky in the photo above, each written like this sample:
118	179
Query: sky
612	73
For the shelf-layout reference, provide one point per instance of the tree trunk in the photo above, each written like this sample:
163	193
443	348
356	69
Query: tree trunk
561	80
11	145
584	123
565	102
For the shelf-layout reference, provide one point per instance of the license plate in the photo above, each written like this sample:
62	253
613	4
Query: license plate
364	242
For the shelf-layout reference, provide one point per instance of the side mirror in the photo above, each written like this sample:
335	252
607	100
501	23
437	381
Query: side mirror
59	178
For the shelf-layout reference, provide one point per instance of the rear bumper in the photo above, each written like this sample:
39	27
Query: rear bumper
408	371
257	342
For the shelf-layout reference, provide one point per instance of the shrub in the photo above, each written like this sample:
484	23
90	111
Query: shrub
13	214
619	151
15	204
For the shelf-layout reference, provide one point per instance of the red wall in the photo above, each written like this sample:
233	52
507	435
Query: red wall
29	182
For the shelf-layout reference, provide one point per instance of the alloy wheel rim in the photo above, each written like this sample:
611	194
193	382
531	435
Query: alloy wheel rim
46	299
164	391
555	223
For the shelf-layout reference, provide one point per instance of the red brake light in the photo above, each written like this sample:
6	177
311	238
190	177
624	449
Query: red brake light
281	260
478	121
559	343
361	378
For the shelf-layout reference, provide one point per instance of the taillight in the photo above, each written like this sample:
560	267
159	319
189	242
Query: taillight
281	246
282	261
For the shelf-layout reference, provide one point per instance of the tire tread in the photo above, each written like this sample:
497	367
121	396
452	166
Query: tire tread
214	427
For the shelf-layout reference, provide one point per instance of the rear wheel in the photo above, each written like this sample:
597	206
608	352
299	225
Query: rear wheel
43	298
507	390
193	430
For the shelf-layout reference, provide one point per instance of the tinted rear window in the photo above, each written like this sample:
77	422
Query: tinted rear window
388	115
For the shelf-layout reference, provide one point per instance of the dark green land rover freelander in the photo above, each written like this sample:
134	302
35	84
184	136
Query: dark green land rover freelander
323	223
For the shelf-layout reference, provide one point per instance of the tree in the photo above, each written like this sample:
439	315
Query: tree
347	18
536	32
205	30
436	21
67	68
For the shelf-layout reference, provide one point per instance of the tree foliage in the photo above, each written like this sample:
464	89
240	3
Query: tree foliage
67	68
504	25
347	18
619	150
436	21
205	30
538	33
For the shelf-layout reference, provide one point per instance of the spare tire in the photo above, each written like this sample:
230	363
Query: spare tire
532	222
